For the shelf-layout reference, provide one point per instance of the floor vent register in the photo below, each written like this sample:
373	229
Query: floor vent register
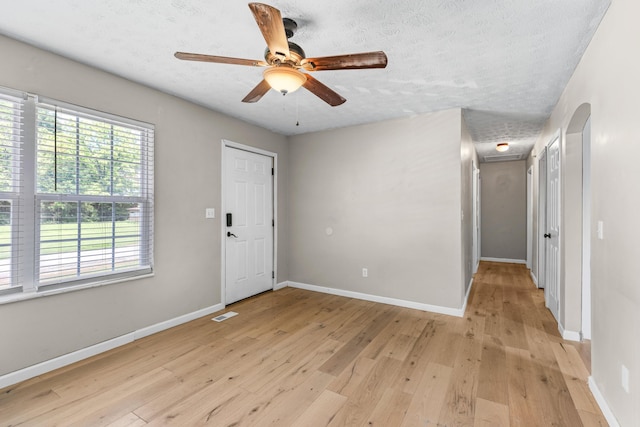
225	316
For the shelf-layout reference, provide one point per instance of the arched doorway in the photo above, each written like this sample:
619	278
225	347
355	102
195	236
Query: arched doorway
577	220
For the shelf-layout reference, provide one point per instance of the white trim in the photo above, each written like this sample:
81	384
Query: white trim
475	221
92	112
248	148
24	296
458	312
274	206
586	230
167	324
223	227
541	248
64	360
223	216
568	335
466	298
84	353
602	403
534	278
529	216
15	93
507	260
561	304
27	219
285	284
280	285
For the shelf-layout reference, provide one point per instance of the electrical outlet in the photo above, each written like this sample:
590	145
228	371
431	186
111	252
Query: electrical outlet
365	272
210	213
624	378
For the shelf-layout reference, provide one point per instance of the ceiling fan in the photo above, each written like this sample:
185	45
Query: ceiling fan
285	60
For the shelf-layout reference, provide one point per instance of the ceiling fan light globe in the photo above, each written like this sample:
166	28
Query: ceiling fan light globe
284	79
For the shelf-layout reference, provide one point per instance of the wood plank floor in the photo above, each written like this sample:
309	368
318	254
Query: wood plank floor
301	358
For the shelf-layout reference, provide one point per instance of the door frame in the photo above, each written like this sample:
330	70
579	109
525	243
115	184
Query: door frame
577	140
541	273
559	284
223	242
529	217
586	231
475	209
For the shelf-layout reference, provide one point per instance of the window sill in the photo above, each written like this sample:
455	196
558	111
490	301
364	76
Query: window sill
24	296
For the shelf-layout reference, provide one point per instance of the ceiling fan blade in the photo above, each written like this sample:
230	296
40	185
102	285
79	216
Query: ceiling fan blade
346	62
257	92
219	59
269	21
323	92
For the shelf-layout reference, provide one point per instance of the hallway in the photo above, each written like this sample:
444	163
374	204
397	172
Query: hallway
526	368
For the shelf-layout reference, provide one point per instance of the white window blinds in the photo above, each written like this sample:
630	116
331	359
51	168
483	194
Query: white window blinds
94	195
76	195
11	159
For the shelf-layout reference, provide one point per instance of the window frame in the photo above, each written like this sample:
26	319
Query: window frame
25	212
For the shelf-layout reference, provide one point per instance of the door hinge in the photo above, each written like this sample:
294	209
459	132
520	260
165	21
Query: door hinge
273	222
273	274
272	171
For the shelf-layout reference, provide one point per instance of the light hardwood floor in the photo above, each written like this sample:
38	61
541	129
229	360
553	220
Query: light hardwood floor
295	357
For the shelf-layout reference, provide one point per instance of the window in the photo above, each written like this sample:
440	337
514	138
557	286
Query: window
90	197
11	137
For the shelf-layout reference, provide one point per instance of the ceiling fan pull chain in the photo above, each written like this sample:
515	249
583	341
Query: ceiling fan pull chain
297	110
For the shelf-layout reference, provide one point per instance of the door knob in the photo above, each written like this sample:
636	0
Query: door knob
547	236
230	234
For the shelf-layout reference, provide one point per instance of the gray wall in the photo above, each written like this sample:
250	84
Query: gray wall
607	79
395	194
391	193
468	158
504	210
187	180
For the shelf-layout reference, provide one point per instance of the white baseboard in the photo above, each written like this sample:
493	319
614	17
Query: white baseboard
507	260
84	353
568	335
602	403
150	330
280	285
458	312
466	298
64	360
534	278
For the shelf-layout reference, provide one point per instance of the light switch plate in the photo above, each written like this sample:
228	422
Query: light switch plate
600	230
625	378
210	213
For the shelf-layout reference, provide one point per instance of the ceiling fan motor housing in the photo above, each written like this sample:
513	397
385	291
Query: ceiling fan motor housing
290	27
296	54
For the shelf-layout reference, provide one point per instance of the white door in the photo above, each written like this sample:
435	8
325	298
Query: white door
541	273
248	203
476	218
552	236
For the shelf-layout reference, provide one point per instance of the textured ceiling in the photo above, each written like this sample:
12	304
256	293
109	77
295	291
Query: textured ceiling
505	62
